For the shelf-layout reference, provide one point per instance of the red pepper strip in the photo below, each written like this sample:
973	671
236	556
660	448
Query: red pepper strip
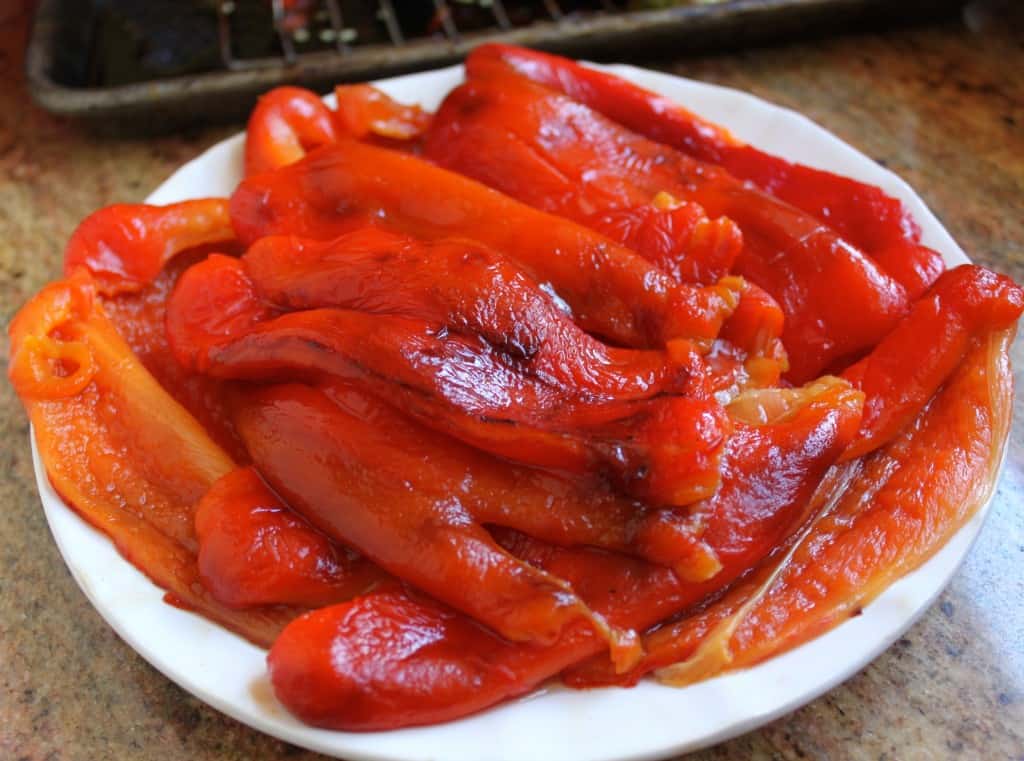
62	345
217	300
366	113
333	669
558	155
861	213
286	123
550	508
665	449
889	513
903	372
534	130
677	236
253	550
913	266
117	448
390	660
125	246
954	448
316	456
466	288
611	291
648	113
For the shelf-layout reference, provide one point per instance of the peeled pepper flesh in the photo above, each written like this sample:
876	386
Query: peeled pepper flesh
666	447
364	688
862	214
556	154
612	292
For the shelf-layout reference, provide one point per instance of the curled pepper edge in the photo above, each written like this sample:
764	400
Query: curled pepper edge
35	351
70	306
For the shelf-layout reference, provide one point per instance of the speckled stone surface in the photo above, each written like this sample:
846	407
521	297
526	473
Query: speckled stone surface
942	106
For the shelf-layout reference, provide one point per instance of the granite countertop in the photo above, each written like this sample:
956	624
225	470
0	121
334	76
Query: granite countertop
943	106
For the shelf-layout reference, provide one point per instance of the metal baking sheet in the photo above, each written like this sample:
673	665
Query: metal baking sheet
227	94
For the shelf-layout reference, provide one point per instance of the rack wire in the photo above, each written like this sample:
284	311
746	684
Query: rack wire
352	40
339	36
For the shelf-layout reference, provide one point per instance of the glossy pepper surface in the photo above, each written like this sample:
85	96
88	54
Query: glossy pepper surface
863	214
554	153
666	447
611	291
368	689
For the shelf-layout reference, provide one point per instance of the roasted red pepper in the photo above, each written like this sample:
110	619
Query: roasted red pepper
286	123
366	113
881	518
861	213
317	457
556	154
253	550
642	111
449	667
466	288
612	292
117	448
667	450
126	245
904	371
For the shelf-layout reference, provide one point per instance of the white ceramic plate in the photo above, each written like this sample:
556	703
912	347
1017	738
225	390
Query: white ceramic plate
648	721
